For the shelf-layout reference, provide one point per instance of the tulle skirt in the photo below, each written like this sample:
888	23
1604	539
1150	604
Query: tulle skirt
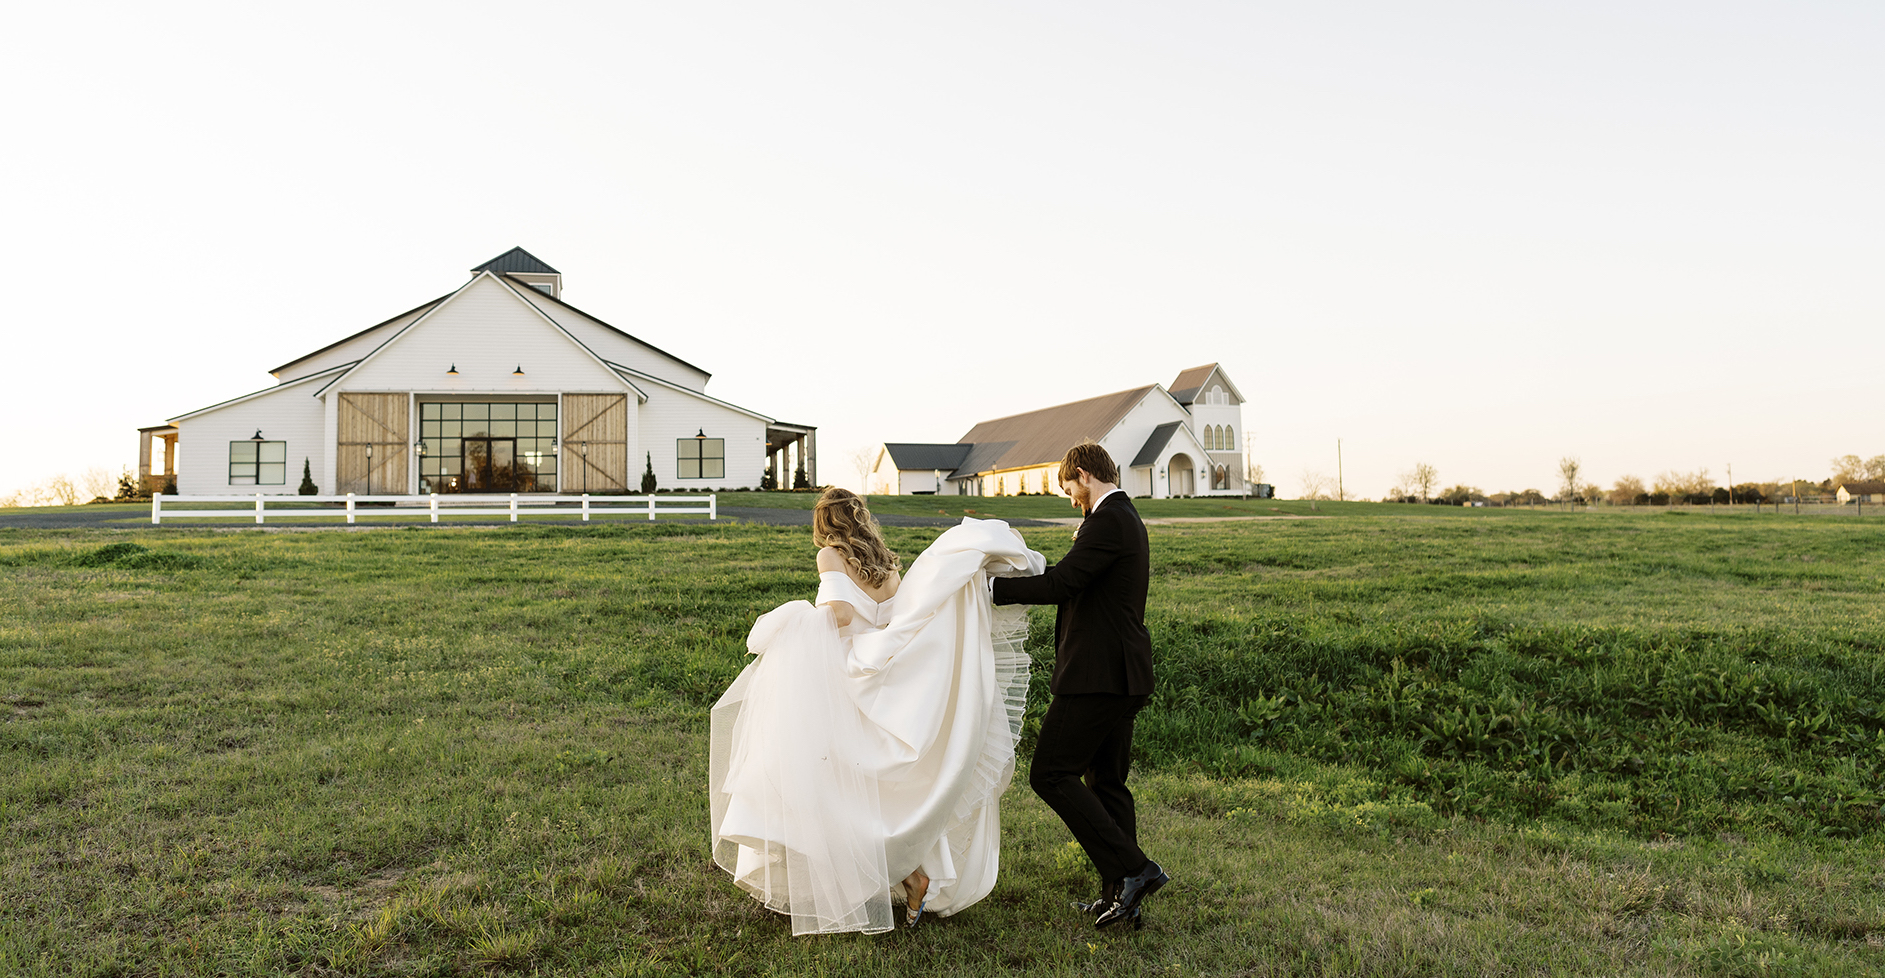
823	800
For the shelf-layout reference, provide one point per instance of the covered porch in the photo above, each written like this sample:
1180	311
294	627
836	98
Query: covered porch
156	457
789	446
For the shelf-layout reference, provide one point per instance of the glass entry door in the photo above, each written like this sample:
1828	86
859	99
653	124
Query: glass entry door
490	465
487	447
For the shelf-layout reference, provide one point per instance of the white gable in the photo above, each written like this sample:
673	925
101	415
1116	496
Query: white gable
487	332
613	345
355	347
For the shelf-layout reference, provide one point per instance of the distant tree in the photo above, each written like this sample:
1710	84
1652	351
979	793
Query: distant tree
60	491
1459	495
1627	489
1569	472
1316	485
1530	497
1591	493
648	475
766	479
864	460
799	481
307	487
1253	473
1420	480
1875	467
97	484
1680	486
128	489
1847	468
1753	492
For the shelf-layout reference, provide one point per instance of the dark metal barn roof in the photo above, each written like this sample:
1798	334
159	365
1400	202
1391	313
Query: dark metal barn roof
516	260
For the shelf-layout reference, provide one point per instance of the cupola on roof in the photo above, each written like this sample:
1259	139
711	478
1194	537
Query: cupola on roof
526	268
516	260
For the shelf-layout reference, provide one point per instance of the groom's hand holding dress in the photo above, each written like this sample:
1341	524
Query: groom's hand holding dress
1102	677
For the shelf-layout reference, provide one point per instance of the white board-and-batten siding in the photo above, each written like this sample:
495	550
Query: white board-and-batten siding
348	350
1129	435
487	332
671	415
286	414
614	347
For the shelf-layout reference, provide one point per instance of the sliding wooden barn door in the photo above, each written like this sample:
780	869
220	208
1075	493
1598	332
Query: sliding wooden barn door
595	443
379	421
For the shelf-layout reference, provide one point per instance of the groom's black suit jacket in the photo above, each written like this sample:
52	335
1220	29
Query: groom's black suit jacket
1100	641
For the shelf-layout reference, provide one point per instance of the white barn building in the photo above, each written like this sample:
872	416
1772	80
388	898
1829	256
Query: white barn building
497	386
1185	440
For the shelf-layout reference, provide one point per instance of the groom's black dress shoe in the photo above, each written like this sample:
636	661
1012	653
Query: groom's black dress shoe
1132	891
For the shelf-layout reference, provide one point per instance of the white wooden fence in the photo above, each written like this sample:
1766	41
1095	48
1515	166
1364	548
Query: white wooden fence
514	505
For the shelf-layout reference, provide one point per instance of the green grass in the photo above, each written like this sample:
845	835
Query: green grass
456	751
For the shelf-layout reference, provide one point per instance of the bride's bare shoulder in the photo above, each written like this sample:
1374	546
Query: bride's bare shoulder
829	559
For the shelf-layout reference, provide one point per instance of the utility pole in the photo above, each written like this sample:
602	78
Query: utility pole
1340	493
1730	487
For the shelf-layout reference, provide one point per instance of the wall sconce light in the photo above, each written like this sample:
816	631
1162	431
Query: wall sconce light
553	445
258	436
419	447
519	372
700	432
454	371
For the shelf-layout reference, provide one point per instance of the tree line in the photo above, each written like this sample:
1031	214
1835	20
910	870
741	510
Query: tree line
1421	484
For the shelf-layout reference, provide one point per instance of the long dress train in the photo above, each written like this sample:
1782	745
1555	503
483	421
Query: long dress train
842	759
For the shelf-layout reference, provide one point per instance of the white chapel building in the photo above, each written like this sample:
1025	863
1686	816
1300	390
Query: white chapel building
497	386
1185	440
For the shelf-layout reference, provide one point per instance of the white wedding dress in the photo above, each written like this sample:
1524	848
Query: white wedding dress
843	758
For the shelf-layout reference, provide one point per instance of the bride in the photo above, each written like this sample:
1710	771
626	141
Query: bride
859	757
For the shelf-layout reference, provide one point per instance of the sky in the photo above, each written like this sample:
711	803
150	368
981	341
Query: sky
1483	236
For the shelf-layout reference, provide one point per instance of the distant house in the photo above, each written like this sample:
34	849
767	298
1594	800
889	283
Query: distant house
500	385
1861	491
1185	440
906	469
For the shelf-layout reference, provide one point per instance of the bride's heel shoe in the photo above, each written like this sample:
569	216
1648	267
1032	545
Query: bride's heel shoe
913	909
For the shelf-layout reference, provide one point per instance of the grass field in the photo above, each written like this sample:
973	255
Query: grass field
1398	741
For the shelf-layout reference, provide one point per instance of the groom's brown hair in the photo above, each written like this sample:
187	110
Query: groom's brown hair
1090	456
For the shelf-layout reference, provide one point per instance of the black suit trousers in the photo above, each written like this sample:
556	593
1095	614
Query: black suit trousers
1079	769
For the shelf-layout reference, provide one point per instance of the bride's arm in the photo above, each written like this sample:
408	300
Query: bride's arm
830	560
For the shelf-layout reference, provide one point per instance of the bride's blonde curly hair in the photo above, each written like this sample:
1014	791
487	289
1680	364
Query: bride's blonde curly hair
842	521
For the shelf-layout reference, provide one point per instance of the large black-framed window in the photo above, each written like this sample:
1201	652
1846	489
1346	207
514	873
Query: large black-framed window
497	447
701	458
258	463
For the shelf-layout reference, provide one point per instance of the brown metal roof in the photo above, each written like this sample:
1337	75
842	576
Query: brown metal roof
1040	437
1185	388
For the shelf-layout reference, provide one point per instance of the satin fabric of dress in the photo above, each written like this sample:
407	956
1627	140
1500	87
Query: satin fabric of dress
842	759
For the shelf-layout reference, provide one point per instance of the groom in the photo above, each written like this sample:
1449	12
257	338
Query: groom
1102	677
